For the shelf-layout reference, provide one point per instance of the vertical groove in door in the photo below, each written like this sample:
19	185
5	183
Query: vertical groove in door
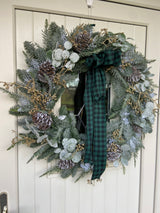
51	197
33	159
156	157
141	153
65	201
15	66
140	180
146	37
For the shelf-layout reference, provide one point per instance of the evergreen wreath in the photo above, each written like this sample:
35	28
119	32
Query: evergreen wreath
59	65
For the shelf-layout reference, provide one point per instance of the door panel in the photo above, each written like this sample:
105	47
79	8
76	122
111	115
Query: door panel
117	192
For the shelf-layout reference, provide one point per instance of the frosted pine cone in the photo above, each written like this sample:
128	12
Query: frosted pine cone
42	120
66	164
113	152
82	41
135	76
46	69
137	129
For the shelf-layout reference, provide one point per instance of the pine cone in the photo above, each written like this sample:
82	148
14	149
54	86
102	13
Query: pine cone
82	41
137	129
113	152
46	68
135	76
42	120
66	164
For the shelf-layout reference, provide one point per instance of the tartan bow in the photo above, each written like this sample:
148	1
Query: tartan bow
94	100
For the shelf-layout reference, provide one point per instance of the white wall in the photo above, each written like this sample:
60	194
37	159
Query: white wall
144	3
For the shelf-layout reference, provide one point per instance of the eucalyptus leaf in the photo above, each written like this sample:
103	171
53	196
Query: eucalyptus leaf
57	151
53	143
121	37
124	48
124	161
41	138
116	163
125	147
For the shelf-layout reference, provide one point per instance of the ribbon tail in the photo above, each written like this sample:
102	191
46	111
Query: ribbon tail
100	133
94	99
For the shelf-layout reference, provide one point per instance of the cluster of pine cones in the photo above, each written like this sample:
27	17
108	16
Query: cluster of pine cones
43	121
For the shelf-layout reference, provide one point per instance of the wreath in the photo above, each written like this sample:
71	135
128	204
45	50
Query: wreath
89	130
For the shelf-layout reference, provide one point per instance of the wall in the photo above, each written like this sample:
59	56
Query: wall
154	4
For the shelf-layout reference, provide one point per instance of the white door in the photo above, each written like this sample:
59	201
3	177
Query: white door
134	192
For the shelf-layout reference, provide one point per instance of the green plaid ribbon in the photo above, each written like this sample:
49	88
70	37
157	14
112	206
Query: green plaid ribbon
94	100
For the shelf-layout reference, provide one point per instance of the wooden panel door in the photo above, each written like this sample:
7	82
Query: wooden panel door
138	190
117	192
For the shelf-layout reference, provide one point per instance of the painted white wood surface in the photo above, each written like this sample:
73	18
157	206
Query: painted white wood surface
143	3
117	193
8	159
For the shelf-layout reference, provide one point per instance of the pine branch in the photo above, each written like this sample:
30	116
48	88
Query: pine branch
88	52
13	95
66	173
22	121
23	75
135	155
50	84
80	67
63	110
54	169
39	152
119	97
75	169
118	76
59	91
74	133
19	111
35	145
33	51
82	174
111	126
46	153
51	34
52	157
29	49
14	144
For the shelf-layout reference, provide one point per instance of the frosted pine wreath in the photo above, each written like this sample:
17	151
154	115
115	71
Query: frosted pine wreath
89	132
